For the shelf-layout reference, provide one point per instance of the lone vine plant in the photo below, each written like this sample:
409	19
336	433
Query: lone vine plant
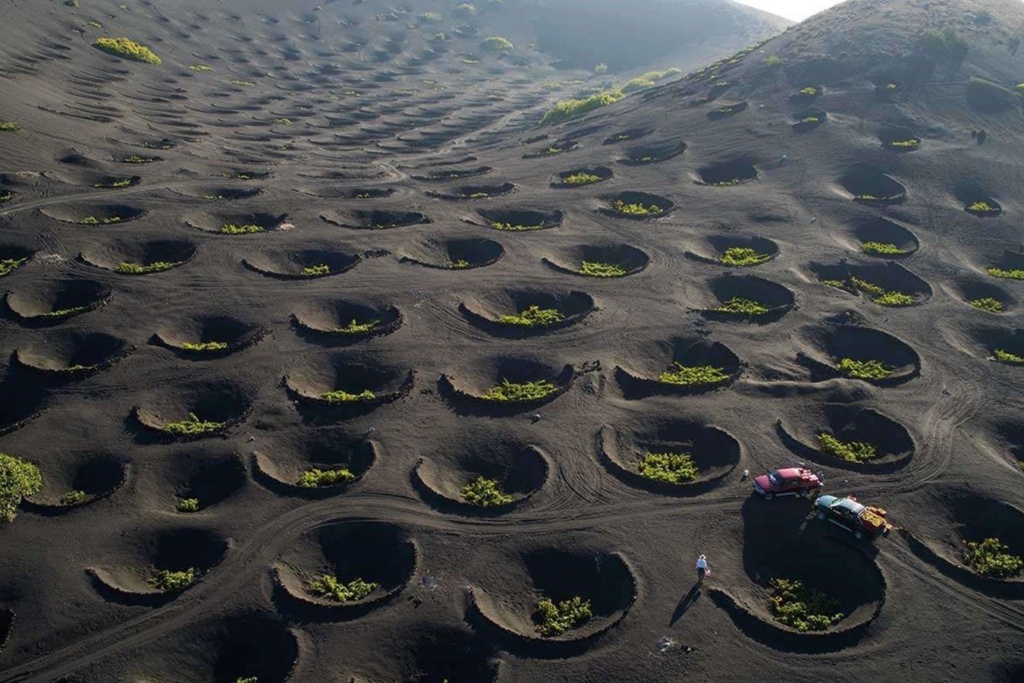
670	468
485	493
693	375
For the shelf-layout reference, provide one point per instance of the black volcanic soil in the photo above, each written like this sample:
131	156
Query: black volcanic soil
378	159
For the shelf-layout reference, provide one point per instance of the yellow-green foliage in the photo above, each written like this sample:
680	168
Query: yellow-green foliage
63	312
554	620
648	80
136	159
18	479
457	264
670	468
595	269
167	581
509	227
92	220
498	44
802	608
243	84
9	126
1007	357
982	207
188	505
485	493
232	229
878	295
743	257
8	266
809	91
356	327
75	497
880	248
568	109
988	304
316	271
115	185
192	426
991	557
636	209
912	143
127	268
533	316
693	375
127	49
317	478
894	299
1014	274
851	451
5	196
510	392
581	178
865	369
345	397
328	586
199	68
740	306
204	347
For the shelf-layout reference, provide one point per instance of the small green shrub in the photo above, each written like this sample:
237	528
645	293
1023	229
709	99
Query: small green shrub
356	327
555	619
740	306
466	9
742	257
430	18
167	581
200	68
992	558
850	451
232	229
18	479
136	159
73	498
865	369
9	127
596	269
458	264
115	185
485	493
1007	357
63	312
912	143
345	397
601	68
671	468
92	220
581	178
811	119
127	49
773	61
648	80
880	248
511	392
805	609
9	265
126	268
894	299
316	478
5	196
204	347
636	209
982	207
509	227
809	91
988	304
192	425
242	84
693	375
1015	274
498	44
316	271
568	109
533	316
330	587
247	679
188	505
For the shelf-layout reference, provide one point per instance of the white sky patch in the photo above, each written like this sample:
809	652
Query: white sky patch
796	10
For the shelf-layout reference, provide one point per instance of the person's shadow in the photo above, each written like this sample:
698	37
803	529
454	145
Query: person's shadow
686	603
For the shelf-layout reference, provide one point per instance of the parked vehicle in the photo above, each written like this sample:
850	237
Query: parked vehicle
860	520
791	481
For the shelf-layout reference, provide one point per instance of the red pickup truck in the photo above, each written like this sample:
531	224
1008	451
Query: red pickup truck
790	481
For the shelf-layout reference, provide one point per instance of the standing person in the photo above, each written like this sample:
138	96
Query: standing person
702	568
